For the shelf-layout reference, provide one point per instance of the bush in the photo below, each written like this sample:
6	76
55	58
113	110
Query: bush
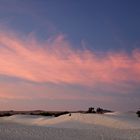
99	110
138	113
91	110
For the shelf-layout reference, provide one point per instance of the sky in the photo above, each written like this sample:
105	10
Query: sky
69	55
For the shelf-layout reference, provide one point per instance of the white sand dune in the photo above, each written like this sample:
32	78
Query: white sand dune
110	126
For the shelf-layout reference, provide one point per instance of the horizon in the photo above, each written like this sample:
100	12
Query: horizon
57	55
71	111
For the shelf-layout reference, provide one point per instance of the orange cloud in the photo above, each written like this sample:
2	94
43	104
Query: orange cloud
56	61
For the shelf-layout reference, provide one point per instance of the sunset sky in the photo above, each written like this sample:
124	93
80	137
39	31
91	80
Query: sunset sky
69	54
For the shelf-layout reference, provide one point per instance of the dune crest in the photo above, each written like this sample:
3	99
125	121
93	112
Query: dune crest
113	120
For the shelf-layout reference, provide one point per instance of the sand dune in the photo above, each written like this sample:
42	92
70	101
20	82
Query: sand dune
111	126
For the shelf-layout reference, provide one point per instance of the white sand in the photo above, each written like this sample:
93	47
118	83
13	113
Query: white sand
110	126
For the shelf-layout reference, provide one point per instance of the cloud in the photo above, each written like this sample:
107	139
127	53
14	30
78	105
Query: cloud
56	61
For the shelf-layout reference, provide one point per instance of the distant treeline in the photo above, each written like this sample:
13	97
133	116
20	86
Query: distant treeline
56	113
35	112
98	110
51	113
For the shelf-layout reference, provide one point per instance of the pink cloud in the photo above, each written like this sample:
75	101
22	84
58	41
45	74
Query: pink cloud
56	61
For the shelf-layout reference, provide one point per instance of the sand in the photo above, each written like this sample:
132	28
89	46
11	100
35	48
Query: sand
110	126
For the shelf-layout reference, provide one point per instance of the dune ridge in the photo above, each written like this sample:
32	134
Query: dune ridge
113	120
78	126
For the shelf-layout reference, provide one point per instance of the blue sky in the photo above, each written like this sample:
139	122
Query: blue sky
73	34
101	24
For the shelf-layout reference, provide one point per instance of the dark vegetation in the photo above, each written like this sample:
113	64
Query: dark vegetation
56	113
61	113
91	110
98	110
138	113
35	112
5	114
53	113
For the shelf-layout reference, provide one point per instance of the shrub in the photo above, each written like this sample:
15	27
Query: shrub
99	110
138	113
91	110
